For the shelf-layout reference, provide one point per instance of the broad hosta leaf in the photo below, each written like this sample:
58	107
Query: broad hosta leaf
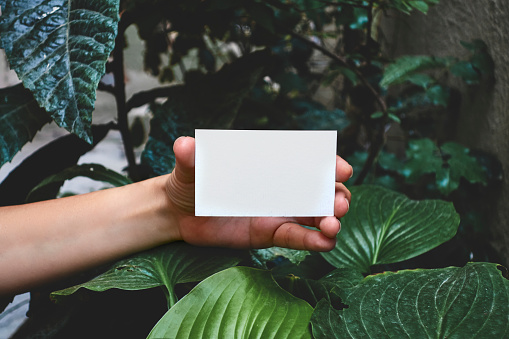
92	171
449	162
239	302
164	266
20	119
384	227
468	302
404	67
59	50
205	101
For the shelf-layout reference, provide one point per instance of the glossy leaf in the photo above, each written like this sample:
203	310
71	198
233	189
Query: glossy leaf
468	302
239	302
384	227
264	255
20	119
92	171
449	162
59	49
404	68
164	266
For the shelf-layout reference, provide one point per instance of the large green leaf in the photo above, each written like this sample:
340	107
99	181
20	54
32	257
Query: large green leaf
384	227
239	302
20	119
468	302
59	49
449	162
93	171
164	266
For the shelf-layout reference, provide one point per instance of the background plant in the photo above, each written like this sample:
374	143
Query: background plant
261	65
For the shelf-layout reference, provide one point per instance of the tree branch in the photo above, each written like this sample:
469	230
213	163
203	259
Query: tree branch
342	61
120	96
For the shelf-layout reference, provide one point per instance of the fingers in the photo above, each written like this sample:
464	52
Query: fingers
291	235
184	155
341	200
343	170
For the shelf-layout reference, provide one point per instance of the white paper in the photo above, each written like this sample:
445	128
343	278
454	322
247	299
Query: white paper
265	173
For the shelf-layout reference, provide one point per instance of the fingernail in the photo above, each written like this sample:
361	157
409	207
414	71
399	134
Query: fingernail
351	175
339	225
347	204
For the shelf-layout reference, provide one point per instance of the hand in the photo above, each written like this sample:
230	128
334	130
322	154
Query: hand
250	232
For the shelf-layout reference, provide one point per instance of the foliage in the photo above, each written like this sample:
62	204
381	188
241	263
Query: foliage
260	65
384	227
442	303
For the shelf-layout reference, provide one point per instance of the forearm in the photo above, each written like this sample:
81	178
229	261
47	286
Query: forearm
48	240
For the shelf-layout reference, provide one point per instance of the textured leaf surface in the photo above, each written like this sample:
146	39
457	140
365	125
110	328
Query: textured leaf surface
164	266
313	291
449	163
468	302
264	255
59	49
384	227
20	119
92	171
239	302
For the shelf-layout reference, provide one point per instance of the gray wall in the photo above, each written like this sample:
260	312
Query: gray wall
484	112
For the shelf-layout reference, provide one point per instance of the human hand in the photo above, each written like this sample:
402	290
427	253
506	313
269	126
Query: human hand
250	232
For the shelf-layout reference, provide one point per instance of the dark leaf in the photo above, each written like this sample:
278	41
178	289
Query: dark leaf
47	160
59	49
20	119
468	302
450	162
92	171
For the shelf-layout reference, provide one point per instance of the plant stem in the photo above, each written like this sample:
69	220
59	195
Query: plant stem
342	61
120	98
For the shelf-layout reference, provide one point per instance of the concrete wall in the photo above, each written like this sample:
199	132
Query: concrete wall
484	112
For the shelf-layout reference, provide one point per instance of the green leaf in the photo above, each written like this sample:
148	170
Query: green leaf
313	291
466	71
420	79
420	6
384	227
264	255
59	49
239	302
468	302
92	171
20	119
438	95
449	163
164	266
401	69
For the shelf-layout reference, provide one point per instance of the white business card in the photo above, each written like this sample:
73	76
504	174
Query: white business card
265	173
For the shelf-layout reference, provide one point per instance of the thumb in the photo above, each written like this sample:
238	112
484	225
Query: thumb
184	159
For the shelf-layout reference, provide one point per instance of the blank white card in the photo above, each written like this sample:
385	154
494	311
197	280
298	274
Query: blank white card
265	173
